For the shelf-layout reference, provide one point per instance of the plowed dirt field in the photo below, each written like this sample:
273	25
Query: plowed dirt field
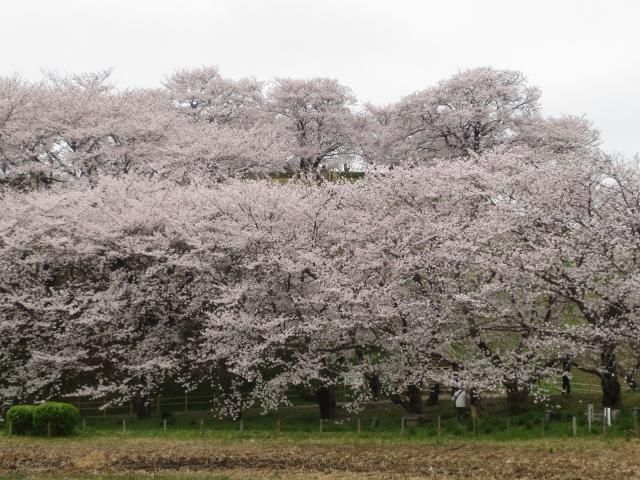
147	458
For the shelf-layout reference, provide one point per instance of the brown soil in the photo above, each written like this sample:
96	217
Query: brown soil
242	460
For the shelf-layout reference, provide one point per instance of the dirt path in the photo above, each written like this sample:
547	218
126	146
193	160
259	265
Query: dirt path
242	460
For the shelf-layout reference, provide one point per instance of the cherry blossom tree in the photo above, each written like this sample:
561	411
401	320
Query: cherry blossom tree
559	135
273	325
77	127
571	231
473	111
203	95
316	119
100	298
486	245
21	138
431	229
206	153
222	129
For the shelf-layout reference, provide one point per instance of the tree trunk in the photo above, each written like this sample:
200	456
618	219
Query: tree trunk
326	398
476	138
414	400
611	395
410	400
434	394
517	398
143	407
611	391
375	387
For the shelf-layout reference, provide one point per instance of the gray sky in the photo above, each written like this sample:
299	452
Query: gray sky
584	54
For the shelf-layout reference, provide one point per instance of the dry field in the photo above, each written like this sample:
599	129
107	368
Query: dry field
171	459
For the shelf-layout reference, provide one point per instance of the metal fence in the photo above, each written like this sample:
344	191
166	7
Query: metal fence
188	402
158	405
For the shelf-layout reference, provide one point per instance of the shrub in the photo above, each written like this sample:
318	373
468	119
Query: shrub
61	417
21	418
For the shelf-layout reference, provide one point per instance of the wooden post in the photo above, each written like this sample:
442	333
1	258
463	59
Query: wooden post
84	424
321	422
186	402
278	425
241	426
48	429
402	426
10	427
201	427
164	425
508	424
104	411
475	426
358	423
124	426
574	426
439	426
589	416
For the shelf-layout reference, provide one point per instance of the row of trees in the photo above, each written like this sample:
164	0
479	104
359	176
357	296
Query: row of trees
202	128
486	246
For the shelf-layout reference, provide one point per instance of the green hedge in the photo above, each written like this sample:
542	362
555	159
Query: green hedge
20	417
61	418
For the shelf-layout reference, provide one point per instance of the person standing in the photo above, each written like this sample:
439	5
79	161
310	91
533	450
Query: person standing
460	402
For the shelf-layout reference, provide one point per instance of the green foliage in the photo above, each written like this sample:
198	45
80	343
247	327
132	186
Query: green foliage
60	418
21	418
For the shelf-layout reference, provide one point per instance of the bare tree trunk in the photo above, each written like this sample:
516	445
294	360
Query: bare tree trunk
326	398
611	391
375	386
476	138
143	407
434	394
517	397
410	400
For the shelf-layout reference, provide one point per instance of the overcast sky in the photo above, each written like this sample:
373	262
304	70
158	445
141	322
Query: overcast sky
584	54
